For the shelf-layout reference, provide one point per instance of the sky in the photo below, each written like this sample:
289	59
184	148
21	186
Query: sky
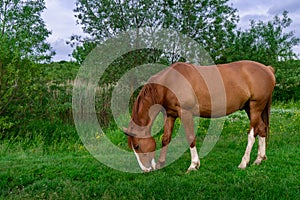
59	18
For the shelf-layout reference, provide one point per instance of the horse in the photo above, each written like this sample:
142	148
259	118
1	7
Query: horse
184	90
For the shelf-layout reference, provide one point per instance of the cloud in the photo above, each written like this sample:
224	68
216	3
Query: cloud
297	50
251	10
59	18
292	6
256	7
62	50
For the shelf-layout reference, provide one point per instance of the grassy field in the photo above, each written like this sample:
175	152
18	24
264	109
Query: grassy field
70	172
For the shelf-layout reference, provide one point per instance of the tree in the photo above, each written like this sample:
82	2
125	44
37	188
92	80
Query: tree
31	91
81	51
22	25
22	44
265	42
209	22
16	85
104	19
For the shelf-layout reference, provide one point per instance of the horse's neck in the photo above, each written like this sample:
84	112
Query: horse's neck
146	113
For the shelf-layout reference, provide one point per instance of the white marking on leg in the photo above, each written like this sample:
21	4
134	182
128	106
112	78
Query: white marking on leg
145	169
246	157
153	164
194	155
261	155
195	162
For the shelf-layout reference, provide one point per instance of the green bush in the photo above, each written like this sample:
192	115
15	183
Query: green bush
32	92
287	81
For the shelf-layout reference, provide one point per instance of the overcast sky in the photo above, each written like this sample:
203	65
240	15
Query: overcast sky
59	18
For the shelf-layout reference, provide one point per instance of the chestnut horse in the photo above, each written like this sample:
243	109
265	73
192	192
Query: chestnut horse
184	90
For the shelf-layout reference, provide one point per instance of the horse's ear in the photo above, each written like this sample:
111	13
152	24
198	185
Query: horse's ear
125	130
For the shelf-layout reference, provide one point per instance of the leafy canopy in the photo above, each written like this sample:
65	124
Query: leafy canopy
265	42
209	22
22	25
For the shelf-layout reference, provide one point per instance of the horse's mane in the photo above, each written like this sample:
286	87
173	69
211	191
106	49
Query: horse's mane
147	97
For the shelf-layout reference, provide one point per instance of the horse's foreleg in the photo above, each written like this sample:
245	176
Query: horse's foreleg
168	127
188	123
195	161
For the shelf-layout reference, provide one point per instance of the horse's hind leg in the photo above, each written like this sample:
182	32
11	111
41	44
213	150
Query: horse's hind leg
260	129
261	155
257	127
246	157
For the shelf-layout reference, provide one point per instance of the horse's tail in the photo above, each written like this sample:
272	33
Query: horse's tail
266	118
271	69
266	112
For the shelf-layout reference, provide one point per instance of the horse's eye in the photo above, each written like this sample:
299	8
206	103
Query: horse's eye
136	147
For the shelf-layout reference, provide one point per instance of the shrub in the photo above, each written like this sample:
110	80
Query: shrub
287	81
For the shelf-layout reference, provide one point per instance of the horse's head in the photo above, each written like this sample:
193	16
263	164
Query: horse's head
143	146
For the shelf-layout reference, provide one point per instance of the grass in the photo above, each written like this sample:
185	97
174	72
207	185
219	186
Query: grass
56	172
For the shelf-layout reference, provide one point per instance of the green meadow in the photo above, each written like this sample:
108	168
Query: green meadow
33	169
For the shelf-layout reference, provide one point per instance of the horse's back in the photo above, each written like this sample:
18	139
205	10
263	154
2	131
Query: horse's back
219	87
255	77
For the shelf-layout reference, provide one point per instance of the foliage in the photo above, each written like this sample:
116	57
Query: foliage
21	23
81	52
265	42
104	19
287	81
18	81
23	87
209	22
31	92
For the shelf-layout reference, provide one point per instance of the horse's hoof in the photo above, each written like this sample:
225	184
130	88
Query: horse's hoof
160	165
190	169
259	160
193	167
242	166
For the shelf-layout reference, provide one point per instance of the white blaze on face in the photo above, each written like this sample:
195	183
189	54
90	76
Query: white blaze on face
145	169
